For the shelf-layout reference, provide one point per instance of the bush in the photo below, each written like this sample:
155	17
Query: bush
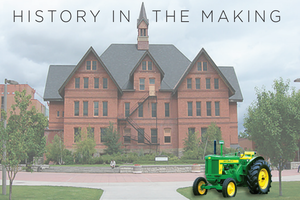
68	158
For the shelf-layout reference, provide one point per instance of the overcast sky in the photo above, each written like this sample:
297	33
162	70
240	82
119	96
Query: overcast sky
259	51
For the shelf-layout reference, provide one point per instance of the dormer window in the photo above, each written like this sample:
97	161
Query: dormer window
88	65
144	67
149	65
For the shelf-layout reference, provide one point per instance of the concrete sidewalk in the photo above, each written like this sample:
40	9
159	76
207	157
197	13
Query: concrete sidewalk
128	186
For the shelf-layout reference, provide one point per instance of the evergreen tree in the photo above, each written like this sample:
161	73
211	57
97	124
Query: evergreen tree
111	140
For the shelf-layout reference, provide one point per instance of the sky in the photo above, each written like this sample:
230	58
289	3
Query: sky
260	51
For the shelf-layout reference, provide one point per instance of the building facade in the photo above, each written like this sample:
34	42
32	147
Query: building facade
11	89
152	93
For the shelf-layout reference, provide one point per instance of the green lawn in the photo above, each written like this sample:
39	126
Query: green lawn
290	191
49	192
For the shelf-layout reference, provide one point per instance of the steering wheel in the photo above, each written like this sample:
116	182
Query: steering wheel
241	151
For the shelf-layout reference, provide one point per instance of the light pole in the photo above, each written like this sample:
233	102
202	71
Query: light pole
297	80
12	82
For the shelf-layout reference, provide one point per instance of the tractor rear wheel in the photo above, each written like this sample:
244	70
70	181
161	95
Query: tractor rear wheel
229	188
197	190
259	177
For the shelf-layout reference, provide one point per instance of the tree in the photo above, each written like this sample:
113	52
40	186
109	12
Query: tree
111	140
85	146
55	150
213	133
20	135
273	123
192	149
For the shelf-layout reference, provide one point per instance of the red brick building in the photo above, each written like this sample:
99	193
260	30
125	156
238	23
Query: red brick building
11	89
151	92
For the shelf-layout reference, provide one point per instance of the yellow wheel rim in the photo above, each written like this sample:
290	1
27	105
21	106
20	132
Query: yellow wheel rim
263	178
230	189
201	191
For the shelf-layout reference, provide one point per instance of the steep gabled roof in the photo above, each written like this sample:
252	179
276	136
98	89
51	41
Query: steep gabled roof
143	16
203	52
147	53
121	59
91	50
230	75
57	75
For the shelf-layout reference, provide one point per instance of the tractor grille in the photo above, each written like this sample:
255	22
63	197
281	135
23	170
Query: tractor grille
215	167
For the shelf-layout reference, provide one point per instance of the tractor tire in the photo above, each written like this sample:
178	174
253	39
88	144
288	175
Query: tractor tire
229	188
259	177
197	186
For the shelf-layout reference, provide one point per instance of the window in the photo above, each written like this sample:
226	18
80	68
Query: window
197	83
142	84
216	83
94	66
86	82
85	108
204	66
190	108
189	83
127	109
217	108
151	81
191	130
167	135
153	109
208	108
141	111
96	83
154	136
144	65
102	136
90	132
57	113
76	108
199	66
104	83
149	65
77	82
143	32
167	109
63	114
2	102
140	135
198	108
88	65
96	108
208	83
105	109
77	136
127	133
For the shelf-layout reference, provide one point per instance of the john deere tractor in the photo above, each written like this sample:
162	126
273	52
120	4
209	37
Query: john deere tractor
226	172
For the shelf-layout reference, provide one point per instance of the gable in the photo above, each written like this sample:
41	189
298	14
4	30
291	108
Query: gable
90	55
211	68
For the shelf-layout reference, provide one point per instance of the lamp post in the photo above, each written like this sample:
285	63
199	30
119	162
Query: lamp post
12	82
297	80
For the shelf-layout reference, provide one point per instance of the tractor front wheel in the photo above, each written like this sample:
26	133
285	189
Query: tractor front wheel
259	177
197	190
229	188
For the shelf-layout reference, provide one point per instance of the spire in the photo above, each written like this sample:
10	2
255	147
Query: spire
143	16
142	26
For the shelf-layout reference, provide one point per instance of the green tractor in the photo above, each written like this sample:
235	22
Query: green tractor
225	172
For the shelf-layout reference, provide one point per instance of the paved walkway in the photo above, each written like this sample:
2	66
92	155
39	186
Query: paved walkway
127	186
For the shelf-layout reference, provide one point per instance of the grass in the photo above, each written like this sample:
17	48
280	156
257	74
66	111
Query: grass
51	192
126	164
290	191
